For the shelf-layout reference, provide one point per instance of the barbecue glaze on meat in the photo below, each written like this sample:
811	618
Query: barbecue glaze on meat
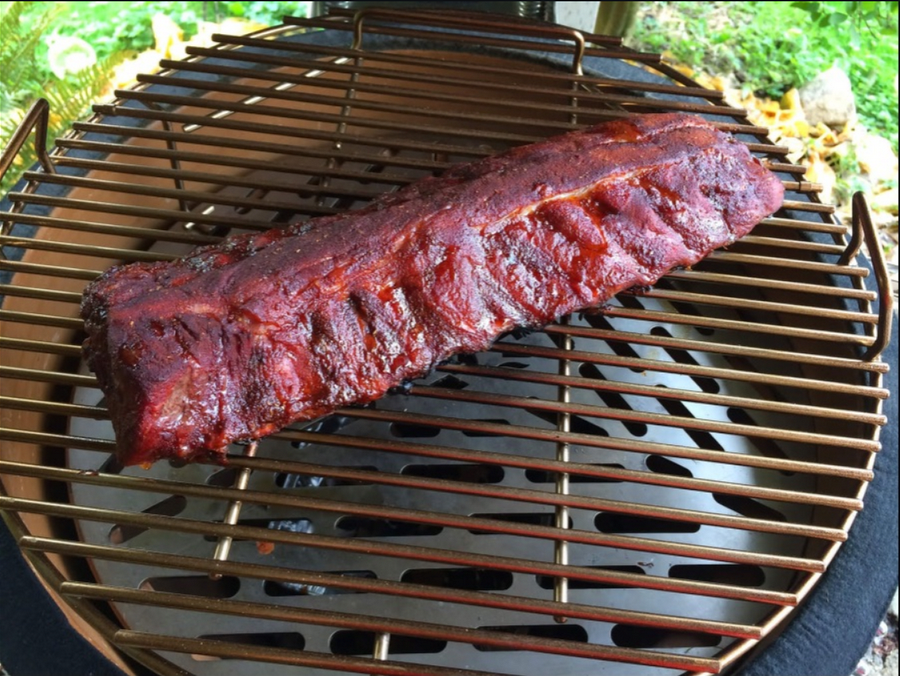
240	339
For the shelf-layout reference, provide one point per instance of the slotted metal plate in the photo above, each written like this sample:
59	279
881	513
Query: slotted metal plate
649	487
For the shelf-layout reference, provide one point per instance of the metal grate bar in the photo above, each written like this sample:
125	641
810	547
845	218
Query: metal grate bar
281	148
262	93
431	80
281	113
751	304
762	283
816	247
426	554
747	327
249	224
645	391
565	78
388	587
489	457
43	294
84	249
217	179
793	263
689	275
723	348
48	270
420	483
211	161
41	320
811	226
620	444
494	41
218	160
590	357
443	519
649	418
444	632
227	650
145	233
685	369
587	383
808	206
414	93
268	204
285	131
234	181
171	215
39	346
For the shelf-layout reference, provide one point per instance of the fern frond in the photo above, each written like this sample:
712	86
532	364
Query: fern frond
69	99
18	65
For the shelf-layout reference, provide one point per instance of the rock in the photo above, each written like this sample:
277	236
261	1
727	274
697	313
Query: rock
875	155
828	98
886	202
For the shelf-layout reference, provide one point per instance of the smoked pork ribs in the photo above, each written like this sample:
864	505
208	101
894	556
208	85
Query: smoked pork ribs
237	340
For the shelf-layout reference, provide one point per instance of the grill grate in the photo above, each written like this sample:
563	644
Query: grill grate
656	485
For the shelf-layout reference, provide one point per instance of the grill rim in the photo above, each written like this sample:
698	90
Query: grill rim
877	378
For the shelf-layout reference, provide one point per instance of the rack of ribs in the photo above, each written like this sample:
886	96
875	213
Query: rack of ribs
240	339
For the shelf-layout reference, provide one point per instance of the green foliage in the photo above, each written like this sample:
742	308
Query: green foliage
21	74
773	46
25	76
113	29
873	16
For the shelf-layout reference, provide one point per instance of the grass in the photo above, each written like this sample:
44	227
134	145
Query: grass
771	47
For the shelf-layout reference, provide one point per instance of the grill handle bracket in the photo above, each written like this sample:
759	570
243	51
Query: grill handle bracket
37	119
863	230
496	23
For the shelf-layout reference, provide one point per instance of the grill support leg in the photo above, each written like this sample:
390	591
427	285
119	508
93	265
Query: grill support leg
233	511
561	547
